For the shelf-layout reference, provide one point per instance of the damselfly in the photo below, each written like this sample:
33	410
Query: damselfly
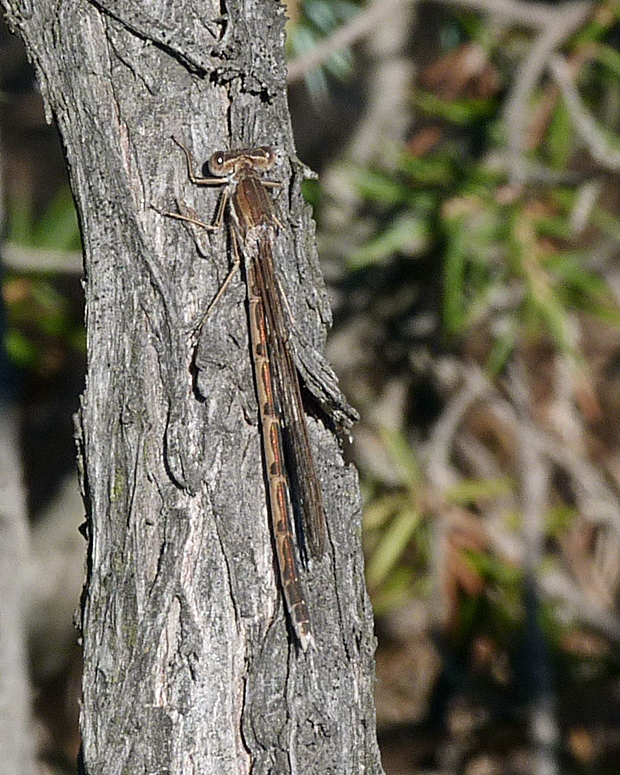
292	481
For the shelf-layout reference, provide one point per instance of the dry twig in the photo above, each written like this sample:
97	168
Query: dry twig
599	146
560	26
345	36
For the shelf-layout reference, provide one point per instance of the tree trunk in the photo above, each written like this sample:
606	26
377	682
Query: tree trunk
190	666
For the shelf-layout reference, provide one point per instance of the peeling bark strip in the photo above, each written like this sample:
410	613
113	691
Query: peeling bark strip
188	664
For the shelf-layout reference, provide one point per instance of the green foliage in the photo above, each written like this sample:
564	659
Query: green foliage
399	525
498	268
393	522
311	190
511	257
608	57
406	205
57	228
41	324
463	112
516	267
407	234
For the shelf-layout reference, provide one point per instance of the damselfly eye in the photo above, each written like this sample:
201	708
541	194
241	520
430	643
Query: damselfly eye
269	157
216	162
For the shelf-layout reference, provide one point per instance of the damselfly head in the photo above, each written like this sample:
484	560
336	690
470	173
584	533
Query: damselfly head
224	163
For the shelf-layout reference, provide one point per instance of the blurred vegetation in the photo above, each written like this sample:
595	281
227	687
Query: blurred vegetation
314	20
521	247
40	322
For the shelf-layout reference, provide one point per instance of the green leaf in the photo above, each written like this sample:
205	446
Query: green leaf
459	111
380	510
436	169
396	591
560	137
556	226
311	191
472	491
551	310
380	187
19	221
319	19
454	277
403	454
609	57
559	519
392	545
502	348
406	235
20	349
58	226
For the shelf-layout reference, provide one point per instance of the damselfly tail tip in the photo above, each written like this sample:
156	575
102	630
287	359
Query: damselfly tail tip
306	639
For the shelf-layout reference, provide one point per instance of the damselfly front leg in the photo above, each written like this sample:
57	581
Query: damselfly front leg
217	224
212	181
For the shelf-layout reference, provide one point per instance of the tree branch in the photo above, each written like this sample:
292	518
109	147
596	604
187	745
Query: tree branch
189	663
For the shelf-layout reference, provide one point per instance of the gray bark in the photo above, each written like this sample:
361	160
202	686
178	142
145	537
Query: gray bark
189	664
